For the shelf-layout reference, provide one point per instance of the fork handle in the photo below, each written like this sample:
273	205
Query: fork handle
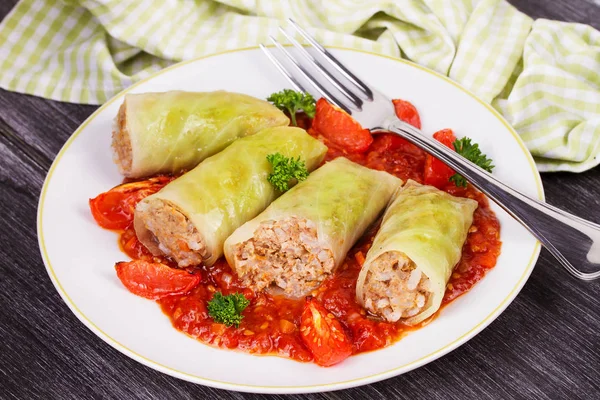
572	240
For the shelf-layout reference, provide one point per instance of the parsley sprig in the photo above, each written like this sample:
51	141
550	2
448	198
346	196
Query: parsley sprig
471	151
285	170
292	102
227	309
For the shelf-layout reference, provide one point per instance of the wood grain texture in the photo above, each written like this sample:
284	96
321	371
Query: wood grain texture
546	345
582	11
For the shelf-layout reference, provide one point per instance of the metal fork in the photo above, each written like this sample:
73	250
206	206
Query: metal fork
572	240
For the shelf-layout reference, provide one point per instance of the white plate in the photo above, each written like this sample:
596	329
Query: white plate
80	256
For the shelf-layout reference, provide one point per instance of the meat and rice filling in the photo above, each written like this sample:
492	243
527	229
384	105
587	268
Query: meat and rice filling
395	288
286	254
121	143
167	231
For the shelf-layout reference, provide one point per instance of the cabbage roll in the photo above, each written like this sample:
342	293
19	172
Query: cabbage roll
173	131
190	218
407	268
302	237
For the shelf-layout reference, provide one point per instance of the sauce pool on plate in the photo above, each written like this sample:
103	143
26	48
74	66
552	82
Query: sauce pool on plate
271	324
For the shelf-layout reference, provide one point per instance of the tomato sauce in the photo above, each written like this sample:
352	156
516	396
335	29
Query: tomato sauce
271	324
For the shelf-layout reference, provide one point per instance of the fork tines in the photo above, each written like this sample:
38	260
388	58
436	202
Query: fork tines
351	93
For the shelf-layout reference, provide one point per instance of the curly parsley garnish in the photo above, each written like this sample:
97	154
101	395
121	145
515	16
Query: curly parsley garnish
227	309
292	102
285	170
471	152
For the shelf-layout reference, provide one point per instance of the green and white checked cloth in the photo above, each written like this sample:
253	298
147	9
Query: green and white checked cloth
543	76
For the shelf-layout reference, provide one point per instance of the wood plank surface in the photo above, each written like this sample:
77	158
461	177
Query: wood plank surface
546	345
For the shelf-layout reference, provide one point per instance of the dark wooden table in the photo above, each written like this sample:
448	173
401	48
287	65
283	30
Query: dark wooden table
546	345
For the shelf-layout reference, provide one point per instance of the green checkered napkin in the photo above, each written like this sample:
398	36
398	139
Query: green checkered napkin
543	76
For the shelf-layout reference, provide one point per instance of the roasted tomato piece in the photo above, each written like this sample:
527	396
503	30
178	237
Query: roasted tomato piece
436	172
323	334
114	209
340	128
407	112
155	280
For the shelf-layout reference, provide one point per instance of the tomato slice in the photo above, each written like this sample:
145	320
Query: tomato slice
340	128
436	172
407	112
155	280
114	209
323	334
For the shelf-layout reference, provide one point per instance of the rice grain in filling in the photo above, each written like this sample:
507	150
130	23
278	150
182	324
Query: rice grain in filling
165	230
395	288
284	253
